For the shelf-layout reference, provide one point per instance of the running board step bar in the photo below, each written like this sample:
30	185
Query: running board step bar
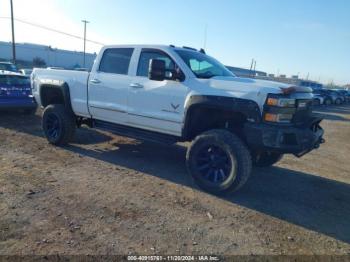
136	133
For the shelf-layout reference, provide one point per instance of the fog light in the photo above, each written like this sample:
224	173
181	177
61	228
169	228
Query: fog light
278	118
271	117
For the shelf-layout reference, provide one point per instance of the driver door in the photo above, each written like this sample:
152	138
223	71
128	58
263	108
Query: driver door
156	105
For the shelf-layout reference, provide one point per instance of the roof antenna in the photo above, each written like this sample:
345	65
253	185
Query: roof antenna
205	37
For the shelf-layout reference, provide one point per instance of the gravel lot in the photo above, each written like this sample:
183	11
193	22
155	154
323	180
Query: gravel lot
106	194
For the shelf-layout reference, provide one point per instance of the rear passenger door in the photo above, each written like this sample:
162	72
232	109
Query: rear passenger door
109	86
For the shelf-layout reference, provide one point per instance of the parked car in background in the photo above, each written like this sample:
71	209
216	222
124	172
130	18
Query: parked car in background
26	72
8	66
344	94
318	100
338	98
15	93
327	98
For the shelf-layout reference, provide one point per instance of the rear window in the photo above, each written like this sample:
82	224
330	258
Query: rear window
8	67
116	61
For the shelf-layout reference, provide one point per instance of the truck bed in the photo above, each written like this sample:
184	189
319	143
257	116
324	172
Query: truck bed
77	81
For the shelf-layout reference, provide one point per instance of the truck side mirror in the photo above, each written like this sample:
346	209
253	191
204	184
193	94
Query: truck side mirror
156	70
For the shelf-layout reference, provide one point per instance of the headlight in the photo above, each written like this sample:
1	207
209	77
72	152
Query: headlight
281	102
278	118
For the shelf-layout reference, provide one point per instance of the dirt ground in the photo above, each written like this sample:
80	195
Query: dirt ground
106	194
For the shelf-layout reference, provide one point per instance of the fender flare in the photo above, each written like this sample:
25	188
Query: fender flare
247	107
64	90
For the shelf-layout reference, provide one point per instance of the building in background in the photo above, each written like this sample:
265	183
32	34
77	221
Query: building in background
33	55
293	80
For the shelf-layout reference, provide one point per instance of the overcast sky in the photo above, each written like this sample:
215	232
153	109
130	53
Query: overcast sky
286	37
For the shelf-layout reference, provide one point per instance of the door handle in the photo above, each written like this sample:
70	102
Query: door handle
95	81
136	85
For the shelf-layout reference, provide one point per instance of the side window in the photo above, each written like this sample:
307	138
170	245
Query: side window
116	61
19	80
3	80
147	55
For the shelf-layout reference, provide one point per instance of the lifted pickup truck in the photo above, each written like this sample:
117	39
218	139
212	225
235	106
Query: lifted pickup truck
168	94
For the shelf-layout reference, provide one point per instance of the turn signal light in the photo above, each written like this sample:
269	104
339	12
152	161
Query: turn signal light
272	101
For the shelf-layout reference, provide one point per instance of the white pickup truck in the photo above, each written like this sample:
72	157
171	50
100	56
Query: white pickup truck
169	94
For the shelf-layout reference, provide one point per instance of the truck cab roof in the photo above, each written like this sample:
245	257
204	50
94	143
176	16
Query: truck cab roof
150	46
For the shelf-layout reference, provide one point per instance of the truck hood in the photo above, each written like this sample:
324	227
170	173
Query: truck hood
248	85
247	88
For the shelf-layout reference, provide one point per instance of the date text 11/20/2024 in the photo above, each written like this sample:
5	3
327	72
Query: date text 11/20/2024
173	258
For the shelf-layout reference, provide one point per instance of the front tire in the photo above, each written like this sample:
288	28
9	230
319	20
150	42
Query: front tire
58	124
219	162
266	159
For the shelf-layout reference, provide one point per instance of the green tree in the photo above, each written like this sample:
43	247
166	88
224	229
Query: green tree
39	62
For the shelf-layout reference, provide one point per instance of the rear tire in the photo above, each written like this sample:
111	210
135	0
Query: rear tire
58	124
219	162
338	101
317	102
328	102
266	159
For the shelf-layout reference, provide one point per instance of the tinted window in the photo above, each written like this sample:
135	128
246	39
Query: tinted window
8	67
145	58
18	80
116	61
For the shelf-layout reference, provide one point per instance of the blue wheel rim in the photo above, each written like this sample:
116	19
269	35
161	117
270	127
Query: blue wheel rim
53	127
213	164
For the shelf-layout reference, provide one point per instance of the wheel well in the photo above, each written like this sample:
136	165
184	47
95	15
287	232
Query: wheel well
202	119
51	95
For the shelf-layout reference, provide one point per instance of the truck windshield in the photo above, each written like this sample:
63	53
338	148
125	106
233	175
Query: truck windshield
202	65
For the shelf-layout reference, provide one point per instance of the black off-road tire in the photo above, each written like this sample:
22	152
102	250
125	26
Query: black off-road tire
66	125
266	159
236	152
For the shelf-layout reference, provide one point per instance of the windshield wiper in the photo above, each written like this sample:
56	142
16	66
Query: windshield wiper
206	76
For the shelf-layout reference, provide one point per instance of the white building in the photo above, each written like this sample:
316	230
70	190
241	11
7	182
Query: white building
52	56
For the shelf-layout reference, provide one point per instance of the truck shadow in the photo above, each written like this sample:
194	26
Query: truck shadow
31	124
306	200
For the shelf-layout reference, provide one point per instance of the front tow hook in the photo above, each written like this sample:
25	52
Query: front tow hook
321	141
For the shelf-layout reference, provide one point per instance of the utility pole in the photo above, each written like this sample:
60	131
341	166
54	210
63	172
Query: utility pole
205	36
254	68
13	35
85	22
251	66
